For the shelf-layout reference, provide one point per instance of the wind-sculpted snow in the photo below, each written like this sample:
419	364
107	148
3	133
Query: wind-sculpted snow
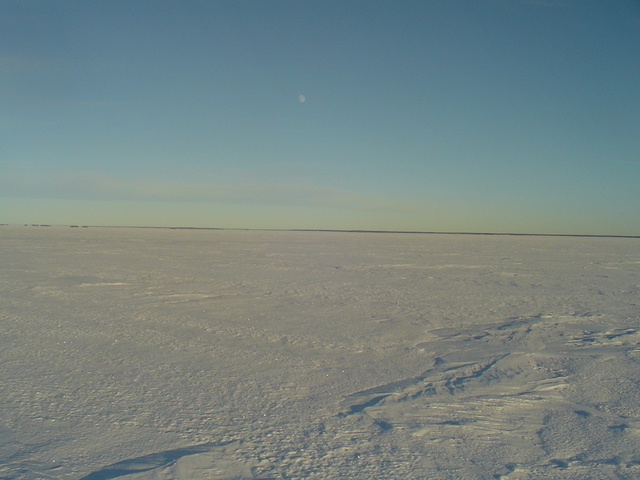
175	354
154	461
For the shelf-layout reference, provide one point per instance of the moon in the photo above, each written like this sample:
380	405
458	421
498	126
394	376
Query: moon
301	98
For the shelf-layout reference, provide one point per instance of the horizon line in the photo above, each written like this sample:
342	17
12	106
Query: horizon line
334	230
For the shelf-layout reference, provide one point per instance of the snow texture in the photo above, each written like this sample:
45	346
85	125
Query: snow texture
189	354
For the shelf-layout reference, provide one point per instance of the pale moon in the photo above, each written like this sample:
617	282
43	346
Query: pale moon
301	98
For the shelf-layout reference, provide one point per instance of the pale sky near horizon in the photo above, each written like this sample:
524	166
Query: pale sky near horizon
456	115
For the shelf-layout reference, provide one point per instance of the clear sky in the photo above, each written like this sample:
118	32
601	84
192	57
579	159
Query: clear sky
430	115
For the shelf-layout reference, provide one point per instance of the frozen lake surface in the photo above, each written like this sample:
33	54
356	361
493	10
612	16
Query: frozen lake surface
191	354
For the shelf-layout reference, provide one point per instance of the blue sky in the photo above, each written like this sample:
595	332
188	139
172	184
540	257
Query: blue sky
454	115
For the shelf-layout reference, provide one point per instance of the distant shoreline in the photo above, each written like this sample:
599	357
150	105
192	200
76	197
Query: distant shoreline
337	231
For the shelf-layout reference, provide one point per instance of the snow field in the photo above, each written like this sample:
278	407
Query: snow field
165	354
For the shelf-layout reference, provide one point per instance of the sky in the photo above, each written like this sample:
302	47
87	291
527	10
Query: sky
515	116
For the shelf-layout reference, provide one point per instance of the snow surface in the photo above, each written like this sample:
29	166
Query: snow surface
189	354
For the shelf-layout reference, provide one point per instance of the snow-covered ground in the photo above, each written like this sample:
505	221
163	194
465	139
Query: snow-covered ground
190	354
